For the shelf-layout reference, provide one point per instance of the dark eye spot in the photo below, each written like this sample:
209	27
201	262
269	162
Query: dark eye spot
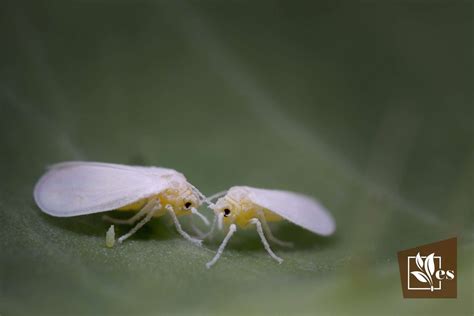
188	204
226	212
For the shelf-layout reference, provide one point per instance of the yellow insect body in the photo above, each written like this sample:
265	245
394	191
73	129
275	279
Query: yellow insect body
242	209
176	197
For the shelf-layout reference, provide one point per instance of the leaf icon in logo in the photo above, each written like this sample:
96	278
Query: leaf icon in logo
429	267
419	261
429	264
420	276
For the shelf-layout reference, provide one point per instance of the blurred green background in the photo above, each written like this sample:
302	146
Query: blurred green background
366	105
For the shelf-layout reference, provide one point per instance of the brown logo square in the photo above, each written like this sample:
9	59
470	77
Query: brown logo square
429	271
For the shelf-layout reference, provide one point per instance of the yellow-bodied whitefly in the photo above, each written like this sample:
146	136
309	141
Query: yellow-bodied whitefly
243	206
78	188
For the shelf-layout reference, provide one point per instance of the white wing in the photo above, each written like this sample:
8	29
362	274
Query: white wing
302	210
78	188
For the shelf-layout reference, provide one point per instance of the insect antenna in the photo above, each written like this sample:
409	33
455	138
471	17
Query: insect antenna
202	197
208	200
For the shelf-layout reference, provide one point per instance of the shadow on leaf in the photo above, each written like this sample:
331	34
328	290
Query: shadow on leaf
93	225
248	239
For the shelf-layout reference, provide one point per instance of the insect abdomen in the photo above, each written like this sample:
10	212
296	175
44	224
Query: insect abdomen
271	217
244	217
135	206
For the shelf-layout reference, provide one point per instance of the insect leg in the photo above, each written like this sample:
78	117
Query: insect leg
269	234
149	215
264	241
209	233
202	217
196	230
132	220
129	221
232	229
178	227
213	227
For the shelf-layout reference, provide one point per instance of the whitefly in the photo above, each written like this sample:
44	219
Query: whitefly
78	188
244	206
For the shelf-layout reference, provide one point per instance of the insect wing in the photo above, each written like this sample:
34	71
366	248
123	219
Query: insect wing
299	209
78	188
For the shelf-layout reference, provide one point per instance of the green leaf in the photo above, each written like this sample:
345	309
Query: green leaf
367	107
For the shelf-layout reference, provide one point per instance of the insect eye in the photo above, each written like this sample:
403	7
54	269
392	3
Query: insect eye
187	204
226	212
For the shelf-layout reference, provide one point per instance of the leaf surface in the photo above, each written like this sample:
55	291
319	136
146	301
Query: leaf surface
366	107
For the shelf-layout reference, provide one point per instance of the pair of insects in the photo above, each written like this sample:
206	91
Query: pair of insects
79	188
